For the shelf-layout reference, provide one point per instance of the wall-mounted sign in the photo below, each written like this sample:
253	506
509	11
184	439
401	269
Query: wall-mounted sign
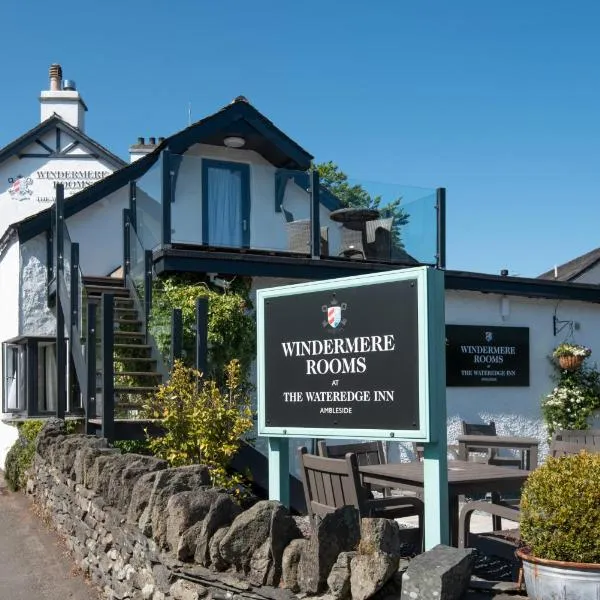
40	185
487	356
349	357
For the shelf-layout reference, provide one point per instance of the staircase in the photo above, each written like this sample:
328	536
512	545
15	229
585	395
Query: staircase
136	374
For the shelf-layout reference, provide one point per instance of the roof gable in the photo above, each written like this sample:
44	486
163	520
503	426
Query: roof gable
19	146
574	268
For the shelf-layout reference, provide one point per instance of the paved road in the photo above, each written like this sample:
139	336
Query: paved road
33	561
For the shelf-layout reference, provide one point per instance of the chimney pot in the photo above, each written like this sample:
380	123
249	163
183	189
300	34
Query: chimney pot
504	273
152	141
140	141
55	77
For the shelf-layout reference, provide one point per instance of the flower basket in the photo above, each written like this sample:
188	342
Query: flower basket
570	362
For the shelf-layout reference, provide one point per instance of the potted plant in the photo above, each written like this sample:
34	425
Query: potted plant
571	356
560	527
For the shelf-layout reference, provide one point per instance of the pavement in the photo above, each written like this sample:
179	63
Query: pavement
34	563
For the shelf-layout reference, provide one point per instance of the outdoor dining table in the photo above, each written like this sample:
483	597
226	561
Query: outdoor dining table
477	443
464	478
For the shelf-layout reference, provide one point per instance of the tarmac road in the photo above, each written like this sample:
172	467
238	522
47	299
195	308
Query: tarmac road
34	564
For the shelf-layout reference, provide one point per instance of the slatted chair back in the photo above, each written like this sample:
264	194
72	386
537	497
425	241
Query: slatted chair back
379	238
330	483
560	448
591	437
479	428
352	243
299	237
489	429
367	453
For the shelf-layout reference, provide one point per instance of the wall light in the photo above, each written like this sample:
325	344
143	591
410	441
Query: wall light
234	142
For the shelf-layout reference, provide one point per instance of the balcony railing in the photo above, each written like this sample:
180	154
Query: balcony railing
237	206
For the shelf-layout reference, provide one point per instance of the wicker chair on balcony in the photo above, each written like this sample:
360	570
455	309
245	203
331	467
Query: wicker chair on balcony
352	245
379	238
299	237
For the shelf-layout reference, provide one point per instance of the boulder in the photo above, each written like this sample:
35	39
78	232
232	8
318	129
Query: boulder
222	513
442	573
289	564
184	510
336	532
66	451
186	549
339	577
377	558
153	522
217	561
95	478
84	460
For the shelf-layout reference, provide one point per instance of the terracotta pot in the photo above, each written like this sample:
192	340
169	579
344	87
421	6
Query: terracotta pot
547	579
570	362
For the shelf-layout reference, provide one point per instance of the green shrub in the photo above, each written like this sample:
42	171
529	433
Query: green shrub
231	326
133	446
203	423
560	509
20	457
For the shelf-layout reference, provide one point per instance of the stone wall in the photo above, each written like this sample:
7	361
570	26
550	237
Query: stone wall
141	530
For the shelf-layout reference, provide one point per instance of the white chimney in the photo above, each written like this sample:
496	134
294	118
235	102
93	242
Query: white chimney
63	99
142	147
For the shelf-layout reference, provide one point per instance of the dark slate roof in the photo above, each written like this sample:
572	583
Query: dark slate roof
51	123
237	118
574	268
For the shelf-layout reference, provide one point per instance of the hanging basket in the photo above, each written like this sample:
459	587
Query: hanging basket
570	362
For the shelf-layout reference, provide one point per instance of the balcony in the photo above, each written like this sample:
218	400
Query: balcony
279	221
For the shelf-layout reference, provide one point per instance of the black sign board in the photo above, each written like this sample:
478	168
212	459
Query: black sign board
344	360
487	356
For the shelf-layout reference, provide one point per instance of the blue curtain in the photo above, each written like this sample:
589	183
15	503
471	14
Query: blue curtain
224	207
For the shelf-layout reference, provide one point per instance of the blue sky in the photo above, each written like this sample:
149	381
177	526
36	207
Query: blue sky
496	101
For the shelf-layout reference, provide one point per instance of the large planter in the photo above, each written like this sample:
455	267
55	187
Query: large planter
570	362
548	579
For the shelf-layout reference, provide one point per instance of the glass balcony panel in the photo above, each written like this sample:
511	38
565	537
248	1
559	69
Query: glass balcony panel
137	263
160	322
385	222
149	207
67	257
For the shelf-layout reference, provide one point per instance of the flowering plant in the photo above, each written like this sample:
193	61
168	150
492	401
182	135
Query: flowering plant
566	349
572	401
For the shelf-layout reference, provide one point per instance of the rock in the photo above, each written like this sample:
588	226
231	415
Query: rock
52	428
167	483
261	563
266	520
184	510
377	558
187	590
442	573
222	513
140	496
339	577
217	562
188	542
148	591
162	577
122	489
336	532
96	471
289	565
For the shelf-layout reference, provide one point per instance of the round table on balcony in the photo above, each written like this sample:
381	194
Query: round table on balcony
355	219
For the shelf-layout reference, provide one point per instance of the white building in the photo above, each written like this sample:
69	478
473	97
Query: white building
231	196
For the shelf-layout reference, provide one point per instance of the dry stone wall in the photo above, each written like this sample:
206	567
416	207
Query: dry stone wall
142	531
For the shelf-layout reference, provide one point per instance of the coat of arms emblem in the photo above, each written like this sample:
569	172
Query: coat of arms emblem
489	336
20	188
334	311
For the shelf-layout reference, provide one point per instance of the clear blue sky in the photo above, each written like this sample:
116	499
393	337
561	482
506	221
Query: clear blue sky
497	101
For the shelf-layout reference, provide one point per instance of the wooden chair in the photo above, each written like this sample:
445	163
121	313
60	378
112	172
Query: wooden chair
492	455
367	453
330	483
500	543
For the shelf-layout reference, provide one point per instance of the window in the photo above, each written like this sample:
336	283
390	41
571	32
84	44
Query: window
226	204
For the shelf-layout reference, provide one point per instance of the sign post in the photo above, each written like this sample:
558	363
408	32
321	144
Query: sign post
357	358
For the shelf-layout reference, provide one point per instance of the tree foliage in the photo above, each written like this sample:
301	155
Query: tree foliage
356	196
204	423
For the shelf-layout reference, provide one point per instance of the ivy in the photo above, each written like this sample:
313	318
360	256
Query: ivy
20	457
231	324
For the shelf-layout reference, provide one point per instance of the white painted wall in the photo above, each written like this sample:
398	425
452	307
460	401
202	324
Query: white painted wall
9	326
27	184
67	104
267	227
